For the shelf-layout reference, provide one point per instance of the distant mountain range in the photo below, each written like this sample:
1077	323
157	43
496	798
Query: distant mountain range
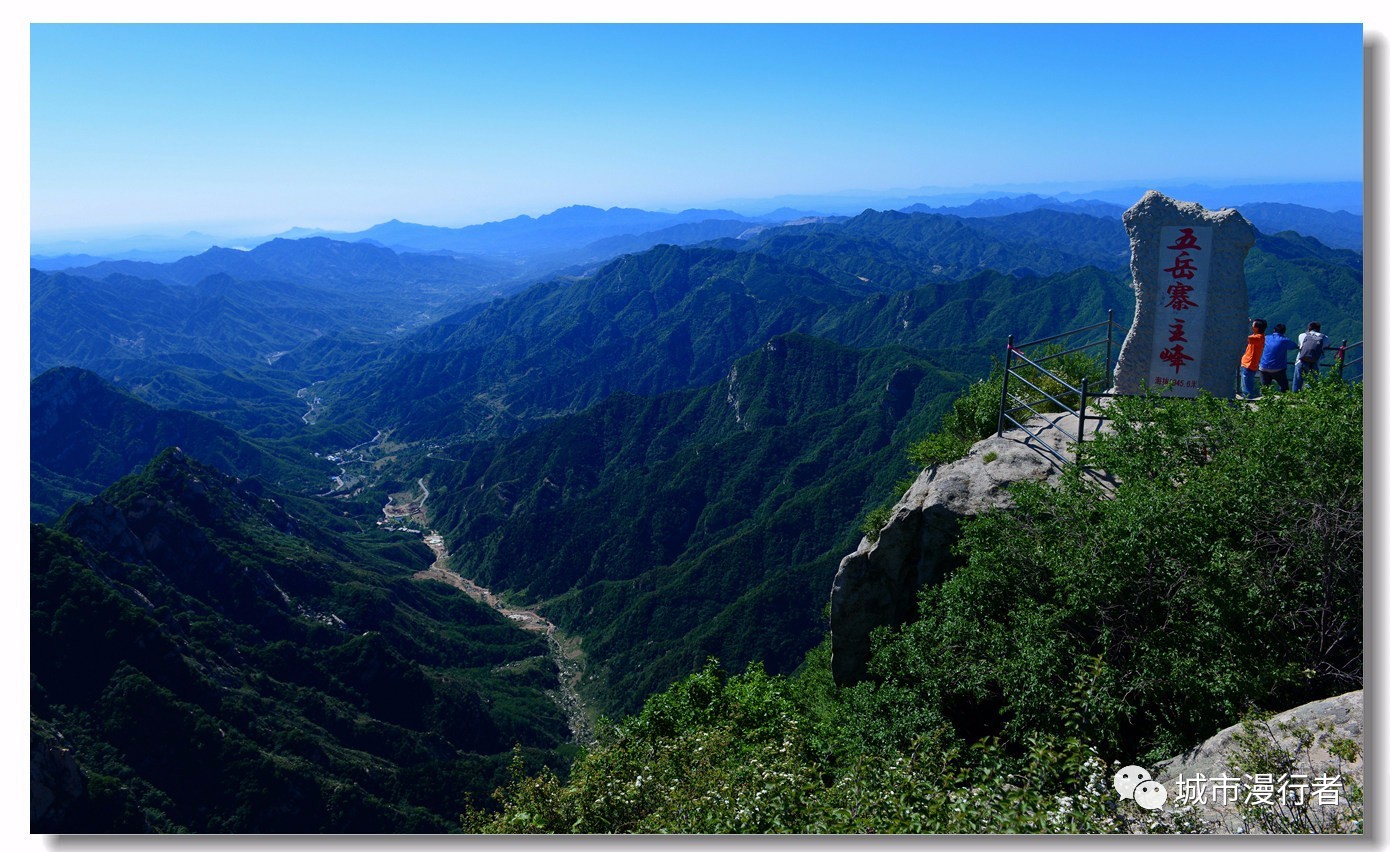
564	229
894	250
1340	230
1332	196
572	228
1003	206
332	265
237	310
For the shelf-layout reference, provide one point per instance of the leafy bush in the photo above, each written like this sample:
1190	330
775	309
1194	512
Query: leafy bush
1259	749
1223	571
875	522
973	416
753	753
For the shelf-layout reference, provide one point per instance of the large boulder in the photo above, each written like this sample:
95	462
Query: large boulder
877	584
1191	302
1307	736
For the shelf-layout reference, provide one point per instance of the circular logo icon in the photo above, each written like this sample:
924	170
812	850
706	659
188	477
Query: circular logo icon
1129	778
1150	795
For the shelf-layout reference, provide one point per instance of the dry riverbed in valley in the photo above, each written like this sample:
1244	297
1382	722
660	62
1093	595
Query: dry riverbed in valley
564	651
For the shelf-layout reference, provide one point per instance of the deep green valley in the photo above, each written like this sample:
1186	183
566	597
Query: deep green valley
645	441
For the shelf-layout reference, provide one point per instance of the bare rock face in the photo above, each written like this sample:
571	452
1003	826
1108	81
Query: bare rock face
877	584
55	781
1191	311
1328	720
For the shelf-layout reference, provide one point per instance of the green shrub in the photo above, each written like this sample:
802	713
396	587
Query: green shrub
1225	568
875	522
1070	367
757	754
1259	749
937	448
973	416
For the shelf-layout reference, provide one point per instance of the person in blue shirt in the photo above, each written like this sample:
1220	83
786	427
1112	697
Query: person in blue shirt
1274	361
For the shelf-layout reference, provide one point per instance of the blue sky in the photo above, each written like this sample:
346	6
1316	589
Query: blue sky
254	128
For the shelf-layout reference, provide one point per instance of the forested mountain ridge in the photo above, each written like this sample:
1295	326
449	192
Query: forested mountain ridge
84	435
85	322
214	345
1296	280
647	323
677	317
208	347
223	658
897	250
695	522
610	516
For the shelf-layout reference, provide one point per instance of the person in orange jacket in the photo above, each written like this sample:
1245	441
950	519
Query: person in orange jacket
1250	362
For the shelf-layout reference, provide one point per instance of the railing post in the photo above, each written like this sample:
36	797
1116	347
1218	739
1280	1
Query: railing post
1109	333
1081	417
1339	362
1004	393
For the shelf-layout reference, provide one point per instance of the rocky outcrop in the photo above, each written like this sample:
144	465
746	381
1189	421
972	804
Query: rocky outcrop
877	584
1323	723
55	780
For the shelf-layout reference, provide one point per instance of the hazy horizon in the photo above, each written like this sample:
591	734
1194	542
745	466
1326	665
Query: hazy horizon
244	130
841	202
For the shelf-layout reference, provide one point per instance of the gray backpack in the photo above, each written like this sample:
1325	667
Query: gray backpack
1314	344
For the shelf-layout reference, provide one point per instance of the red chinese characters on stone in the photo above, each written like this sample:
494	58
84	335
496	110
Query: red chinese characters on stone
1180	297
1175	357
1186	241
1186	284
1182	267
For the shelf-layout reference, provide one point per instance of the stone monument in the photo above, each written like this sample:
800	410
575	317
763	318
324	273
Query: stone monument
1191	315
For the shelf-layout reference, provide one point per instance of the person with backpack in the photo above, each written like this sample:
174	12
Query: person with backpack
1250	361
1274	361
1311	344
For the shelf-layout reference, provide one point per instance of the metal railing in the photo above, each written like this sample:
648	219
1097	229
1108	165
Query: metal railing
1053	348
1346	365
